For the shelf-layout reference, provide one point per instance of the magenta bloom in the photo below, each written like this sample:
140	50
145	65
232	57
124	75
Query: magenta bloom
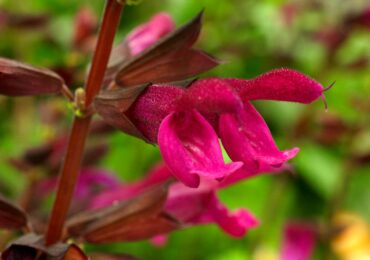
299	242
187	123
188	119
147	34
187	205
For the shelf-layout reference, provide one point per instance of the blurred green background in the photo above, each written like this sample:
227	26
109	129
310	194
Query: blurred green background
328	40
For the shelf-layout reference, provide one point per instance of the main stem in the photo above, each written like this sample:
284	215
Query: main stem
80	128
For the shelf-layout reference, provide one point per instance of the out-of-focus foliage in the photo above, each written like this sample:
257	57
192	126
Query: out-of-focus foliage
328	40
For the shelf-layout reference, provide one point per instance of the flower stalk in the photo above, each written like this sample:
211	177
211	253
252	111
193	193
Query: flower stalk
80	128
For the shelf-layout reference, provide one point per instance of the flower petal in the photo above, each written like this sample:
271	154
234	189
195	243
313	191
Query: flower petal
281	85
299	242
234	223
201	206
159	240
147	34
157	175
190	148
247	138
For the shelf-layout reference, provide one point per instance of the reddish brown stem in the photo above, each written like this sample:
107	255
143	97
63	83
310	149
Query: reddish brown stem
80	128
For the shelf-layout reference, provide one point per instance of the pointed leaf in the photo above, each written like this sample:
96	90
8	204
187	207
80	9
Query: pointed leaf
37	155
181	39
172	66
118	56
19	79
11	217
133	228
136	219
27	21
78	223
112	104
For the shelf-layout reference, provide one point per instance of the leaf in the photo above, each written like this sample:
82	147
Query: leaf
171	59
38	155
32	245
112	104
117	57
11	217
23	21
172	66
19	79
78	223
100	128
133	228
135	219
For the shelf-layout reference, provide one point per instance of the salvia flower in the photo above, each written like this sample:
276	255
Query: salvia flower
187	205
187	123
188	118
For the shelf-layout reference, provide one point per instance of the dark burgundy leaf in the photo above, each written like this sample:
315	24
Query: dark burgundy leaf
31	245
23	21
19	79
118	56
100	128
34	156
28	21
139	226
38	155
112	104
11	217
168	50
135	219
77	224
173	66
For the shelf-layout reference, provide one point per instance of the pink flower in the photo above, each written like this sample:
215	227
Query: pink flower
147	34
188	119
187	205
187	123
299	242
